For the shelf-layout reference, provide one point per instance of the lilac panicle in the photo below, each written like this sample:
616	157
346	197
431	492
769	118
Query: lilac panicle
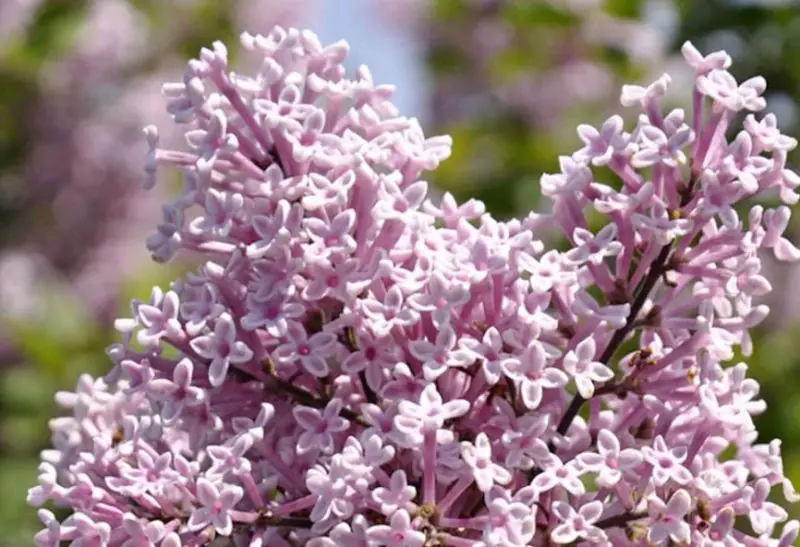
355	365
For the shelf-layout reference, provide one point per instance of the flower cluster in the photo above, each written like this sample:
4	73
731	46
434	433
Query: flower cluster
354	364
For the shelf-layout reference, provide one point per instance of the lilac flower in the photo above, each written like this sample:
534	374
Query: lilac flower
658	147
578	524
334	236
667	462
342	280
574	176
142	532
524	445
766	135
222	348
88	531
429	414
490	350
437	358
345	535
442	298
788	535
479	458
717	60
558	474
177	393
512	521
580	364
397	496
401	369
615	316
149	475
399	532
159	321
722	87
668	518
230	459
203	307
332	489
254	427
661	225
319	426
373	357
215	506
594	248
551	269
221	209
603	144
633	95
307	351
610	463
762	513
389	312
51	535
533	376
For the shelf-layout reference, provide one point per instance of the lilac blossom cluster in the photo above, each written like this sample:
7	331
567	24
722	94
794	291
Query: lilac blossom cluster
356	365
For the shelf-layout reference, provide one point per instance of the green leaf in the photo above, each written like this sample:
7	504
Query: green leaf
17	520
537	12
623	9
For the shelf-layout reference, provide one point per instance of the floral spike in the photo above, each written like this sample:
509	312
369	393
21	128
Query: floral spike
354	364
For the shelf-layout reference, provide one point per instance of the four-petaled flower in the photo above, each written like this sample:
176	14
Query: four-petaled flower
398	533
667	462
667	519
478	457
609	462
216	503
429	414
307	351
578	524
222	348
580	364
437	357
319	426
398	495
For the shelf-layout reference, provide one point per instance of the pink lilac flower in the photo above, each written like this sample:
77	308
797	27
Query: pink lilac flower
668	519
222	348
440	378
479	458
215	504
398	533
319	426
399	494
580	364
578	524
610	462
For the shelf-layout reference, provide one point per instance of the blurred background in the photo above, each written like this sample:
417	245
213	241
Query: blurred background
509	79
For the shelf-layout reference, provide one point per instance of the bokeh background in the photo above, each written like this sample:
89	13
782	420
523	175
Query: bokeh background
509	79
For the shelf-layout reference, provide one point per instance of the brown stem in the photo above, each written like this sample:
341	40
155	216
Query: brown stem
307	398
657	269
619	520
643	291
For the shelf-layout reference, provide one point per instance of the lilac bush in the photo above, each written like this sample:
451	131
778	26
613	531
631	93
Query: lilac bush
353	364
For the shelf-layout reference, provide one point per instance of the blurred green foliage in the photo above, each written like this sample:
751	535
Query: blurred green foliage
505	141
